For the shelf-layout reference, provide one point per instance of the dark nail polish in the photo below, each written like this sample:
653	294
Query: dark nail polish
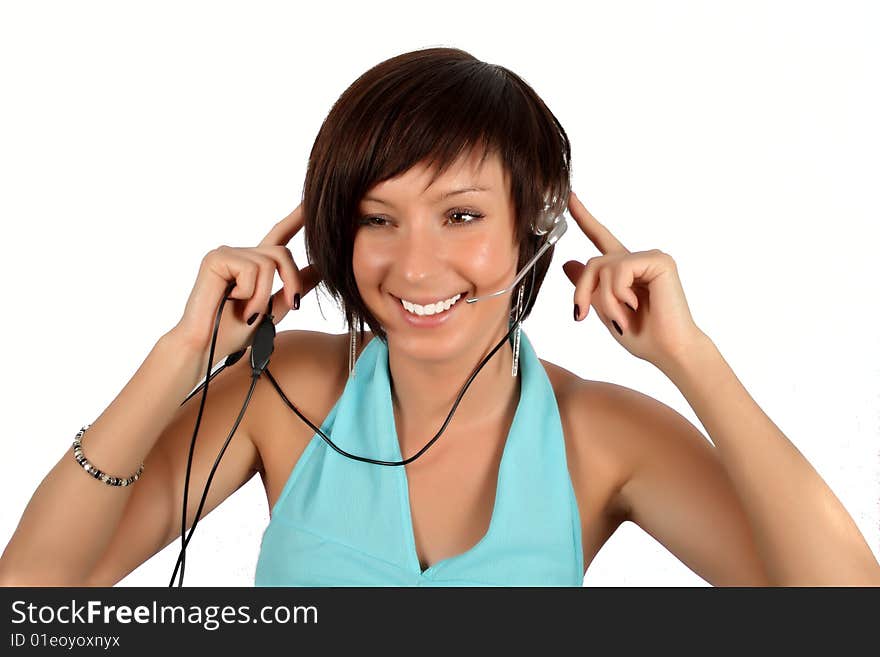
577	311
616	327
253	318
630	307
296	301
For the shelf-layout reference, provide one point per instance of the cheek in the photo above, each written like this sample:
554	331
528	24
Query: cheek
484	255
368	263
487	262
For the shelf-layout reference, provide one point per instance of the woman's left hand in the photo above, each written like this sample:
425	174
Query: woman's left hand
657	326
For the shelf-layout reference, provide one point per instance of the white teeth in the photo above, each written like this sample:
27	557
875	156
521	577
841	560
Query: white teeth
431	308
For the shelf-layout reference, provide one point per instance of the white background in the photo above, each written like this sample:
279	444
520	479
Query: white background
740	138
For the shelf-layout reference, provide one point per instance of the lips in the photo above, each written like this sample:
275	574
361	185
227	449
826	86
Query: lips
427	321
461	294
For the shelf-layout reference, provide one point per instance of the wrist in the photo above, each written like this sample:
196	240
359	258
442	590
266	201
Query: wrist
184	348
182	342
690	357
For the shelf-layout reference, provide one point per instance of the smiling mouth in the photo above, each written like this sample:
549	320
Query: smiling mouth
461	296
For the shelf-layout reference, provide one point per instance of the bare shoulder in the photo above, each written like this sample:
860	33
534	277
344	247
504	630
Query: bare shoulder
588	408
599	467
309	368
300	353
610	430
601	415
671	482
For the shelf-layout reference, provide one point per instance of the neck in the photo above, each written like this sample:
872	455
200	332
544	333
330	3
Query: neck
423	393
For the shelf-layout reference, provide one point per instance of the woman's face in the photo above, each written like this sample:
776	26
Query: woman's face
426	245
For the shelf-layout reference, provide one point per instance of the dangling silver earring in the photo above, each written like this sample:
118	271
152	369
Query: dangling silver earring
515	368
352	341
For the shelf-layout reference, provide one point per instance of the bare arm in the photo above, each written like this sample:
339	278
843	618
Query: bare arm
71	517
802	532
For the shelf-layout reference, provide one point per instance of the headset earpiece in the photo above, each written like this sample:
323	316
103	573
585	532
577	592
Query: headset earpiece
544	223
547	219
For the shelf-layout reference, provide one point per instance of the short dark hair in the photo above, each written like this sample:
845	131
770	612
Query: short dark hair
434	105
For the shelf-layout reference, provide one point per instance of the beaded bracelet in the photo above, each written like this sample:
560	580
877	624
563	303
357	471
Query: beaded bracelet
95	472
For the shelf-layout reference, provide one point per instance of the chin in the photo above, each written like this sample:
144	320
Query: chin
427	345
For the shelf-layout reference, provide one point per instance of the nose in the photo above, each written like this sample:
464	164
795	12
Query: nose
422	254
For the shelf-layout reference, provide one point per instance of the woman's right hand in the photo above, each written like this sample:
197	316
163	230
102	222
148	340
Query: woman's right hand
253	271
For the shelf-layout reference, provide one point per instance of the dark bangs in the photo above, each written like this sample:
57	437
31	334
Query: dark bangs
429	106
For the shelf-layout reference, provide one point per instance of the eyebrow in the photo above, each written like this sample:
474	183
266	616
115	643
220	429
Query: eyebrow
453	192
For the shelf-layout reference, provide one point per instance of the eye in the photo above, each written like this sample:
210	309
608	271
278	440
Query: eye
368	221
466	213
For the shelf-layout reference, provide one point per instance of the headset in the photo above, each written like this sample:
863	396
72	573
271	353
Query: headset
549	224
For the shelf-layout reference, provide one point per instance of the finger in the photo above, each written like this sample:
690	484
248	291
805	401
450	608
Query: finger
287	269
220	267
229	265
610	302
573	270
259	302
282	302
586	286
279	305
622	279
284	230
309	278
596	232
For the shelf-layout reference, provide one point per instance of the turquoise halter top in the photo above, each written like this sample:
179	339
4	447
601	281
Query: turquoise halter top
341	522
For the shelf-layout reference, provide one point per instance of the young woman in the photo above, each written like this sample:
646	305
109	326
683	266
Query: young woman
433	180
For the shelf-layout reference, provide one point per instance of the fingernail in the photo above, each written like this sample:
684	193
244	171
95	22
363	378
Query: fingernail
296	301
253	318
630	307
616	327
577	311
